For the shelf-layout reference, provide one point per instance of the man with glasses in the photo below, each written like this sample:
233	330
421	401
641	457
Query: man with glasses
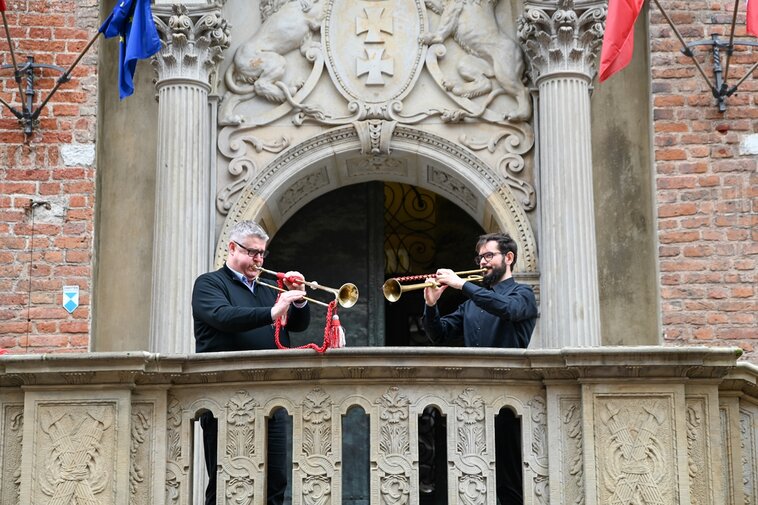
500	313
232	312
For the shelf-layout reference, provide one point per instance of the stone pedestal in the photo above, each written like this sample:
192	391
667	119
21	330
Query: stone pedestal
186	68
562	41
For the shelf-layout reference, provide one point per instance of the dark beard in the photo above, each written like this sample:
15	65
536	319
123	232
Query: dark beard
493	277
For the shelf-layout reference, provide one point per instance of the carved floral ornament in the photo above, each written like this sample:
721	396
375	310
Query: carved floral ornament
374	54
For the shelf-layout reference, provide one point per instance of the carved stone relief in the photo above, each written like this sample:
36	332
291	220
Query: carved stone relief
316	468
539	452
11	451
380	74
79	446
175	469
394	464
572	461
749	445
471	467
697	451
241	455
635	450
141	468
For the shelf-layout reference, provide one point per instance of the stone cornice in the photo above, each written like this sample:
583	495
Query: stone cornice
399	365
562	38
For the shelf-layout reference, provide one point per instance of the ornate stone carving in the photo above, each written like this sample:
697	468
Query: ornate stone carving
517	142
538	413
471	467
193	40
394	448
140	456
562	38
635	453
375	136
309	183
174	469
317	467
11	437
512	213
749	445
259	65
379	60
489	53
79	448
377	166
78	377
240	449
696	450
573	457
444	181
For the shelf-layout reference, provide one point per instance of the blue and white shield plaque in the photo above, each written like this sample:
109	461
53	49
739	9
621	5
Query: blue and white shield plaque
70	298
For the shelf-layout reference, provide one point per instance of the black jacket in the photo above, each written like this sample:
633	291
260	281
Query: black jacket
504	316
229	317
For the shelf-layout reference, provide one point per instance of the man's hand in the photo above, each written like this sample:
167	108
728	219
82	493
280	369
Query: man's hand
446	277
283	303
294	280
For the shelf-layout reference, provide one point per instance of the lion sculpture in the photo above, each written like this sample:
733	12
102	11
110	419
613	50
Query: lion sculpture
259	64
490	52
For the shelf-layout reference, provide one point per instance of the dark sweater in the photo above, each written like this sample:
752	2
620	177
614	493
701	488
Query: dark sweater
504	316
229	317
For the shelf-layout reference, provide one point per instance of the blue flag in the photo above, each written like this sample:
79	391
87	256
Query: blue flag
133	22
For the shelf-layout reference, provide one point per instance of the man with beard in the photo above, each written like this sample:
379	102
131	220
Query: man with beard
233	312
501	313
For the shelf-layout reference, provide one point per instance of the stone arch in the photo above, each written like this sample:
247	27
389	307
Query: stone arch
335	159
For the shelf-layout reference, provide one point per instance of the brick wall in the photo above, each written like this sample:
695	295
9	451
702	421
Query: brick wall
47	180
707	182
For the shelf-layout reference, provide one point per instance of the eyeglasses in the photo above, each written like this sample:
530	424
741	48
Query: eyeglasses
486	257
252	252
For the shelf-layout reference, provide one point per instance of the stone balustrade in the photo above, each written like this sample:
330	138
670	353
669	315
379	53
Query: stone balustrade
599	425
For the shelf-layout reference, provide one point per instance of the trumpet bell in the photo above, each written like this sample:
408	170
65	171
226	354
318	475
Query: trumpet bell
392	290
347	295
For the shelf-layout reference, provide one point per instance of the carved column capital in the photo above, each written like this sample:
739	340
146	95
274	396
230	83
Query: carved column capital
562	37
193	40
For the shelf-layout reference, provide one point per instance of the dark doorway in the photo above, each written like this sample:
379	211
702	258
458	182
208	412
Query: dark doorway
365	234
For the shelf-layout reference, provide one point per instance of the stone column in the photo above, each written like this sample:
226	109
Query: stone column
562	40
193	40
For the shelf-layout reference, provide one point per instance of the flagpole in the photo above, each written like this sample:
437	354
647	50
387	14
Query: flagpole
16	73
730	49
65	77
687	50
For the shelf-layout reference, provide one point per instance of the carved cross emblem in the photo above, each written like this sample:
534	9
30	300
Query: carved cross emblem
374	24
375	66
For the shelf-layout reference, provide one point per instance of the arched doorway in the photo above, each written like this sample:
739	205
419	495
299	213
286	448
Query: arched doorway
366	233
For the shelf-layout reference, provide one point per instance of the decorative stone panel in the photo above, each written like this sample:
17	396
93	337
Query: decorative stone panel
77	447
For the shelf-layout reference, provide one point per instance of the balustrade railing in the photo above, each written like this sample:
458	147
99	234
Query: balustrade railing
600	425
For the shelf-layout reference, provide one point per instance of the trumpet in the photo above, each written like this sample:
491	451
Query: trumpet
393	289
346	295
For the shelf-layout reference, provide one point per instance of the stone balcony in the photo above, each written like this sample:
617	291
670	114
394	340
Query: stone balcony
629	425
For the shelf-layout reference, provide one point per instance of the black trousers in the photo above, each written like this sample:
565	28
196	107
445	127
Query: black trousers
277	457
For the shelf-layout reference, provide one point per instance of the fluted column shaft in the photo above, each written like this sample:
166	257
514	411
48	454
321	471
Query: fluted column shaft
562	39
193	41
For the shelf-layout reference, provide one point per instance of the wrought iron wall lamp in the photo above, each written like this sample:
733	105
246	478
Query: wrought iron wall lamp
28	116
719	85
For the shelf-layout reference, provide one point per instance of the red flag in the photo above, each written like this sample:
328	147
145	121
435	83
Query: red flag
618	40
2	5
752	17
